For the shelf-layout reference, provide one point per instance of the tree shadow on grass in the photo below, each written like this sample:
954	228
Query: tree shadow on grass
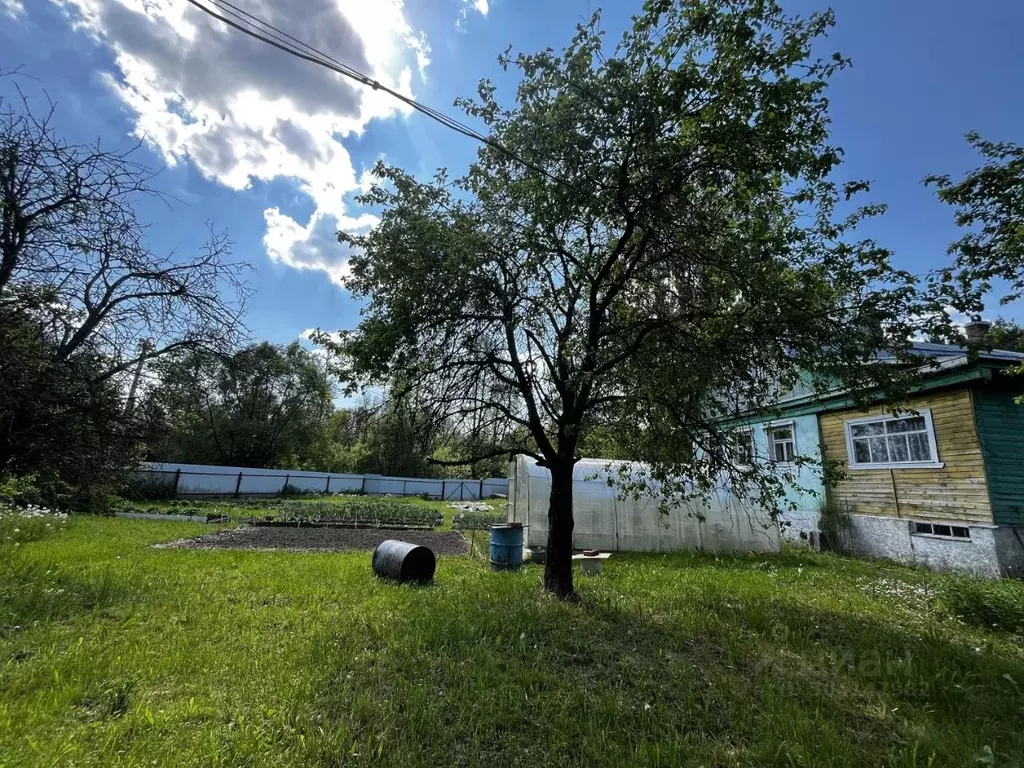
35	592
520	679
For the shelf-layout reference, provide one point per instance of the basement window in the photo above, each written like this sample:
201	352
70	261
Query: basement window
941	530
892	441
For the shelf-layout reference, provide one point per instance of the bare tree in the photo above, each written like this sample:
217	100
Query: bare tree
69	233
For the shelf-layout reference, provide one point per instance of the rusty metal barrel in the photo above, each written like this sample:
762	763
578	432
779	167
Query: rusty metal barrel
402	561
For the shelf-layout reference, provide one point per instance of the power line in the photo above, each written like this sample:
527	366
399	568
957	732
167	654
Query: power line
281	40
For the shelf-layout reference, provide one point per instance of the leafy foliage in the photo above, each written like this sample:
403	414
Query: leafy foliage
273	406
360	512
1005	334
835	525
989	203
477	520
58	424
650	244
85	303
262	406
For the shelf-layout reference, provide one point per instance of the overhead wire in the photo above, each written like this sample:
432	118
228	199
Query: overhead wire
267	33
279	33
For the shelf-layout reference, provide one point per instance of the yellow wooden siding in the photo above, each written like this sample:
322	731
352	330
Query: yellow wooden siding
957	491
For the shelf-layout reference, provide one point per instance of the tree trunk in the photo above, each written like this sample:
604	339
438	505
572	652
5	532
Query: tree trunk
558	562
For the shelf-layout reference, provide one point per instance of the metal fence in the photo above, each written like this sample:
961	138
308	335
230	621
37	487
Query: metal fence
192	480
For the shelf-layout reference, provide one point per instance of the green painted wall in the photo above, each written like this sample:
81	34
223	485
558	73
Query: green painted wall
1001	430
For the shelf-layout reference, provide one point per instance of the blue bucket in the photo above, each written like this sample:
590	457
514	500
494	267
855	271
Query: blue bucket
506	547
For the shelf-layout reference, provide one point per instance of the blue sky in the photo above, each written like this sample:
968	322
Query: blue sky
272	151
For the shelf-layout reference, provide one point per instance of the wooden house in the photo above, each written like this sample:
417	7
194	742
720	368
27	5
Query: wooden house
940	482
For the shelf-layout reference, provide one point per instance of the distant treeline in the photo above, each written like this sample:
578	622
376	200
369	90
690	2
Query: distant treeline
272	405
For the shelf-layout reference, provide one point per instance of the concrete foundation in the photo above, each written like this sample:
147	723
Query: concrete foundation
801	527
992	551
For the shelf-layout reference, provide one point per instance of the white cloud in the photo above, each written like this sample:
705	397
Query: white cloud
241	112
480	6
12	8
313	245
307	335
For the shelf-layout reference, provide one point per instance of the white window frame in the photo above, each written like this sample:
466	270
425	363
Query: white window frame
749	432
788	424
933	463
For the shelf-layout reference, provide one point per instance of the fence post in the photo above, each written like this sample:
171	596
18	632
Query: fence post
284	488
238	486
362	485
177	479
481	494
405	487
327	488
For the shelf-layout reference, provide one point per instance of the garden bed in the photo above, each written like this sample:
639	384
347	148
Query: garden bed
341	523
322	539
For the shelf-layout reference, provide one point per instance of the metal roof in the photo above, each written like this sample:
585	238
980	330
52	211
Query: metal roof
928	349
943	359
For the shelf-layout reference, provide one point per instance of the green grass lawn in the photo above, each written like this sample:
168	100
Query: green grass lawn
116	654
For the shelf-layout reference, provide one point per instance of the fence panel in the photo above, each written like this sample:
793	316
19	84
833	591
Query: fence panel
209	480
197	483
260	485
456	490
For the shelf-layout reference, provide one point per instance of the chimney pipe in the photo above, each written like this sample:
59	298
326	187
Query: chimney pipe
976	330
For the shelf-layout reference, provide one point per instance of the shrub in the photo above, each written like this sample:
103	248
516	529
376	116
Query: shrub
143	486
291	491
47	490
834	524
20	491
986	604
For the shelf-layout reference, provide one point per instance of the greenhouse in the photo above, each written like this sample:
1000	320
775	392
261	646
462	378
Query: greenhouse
605	521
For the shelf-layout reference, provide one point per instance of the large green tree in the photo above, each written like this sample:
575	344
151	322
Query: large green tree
262	406
649	244
989	203
60	421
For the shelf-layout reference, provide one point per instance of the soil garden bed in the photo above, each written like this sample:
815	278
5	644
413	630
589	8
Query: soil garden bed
329	539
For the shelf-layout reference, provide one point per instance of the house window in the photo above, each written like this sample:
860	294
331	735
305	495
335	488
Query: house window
781	442
892	441
942	530
743	447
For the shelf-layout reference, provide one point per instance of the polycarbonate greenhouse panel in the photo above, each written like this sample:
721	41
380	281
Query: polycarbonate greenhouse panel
604	521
